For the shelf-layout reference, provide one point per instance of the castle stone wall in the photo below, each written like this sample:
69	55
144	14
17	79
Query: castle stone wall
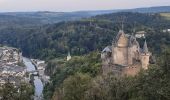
131	70
145	60
130	56
120	56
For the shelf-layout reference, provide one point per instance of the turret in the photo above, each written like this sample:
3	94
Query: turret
121	32
145	55
145	47
120	49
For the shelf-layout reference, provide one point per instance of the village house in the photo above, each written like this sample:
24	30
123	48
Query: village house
166	30
10	71
140	34
10	55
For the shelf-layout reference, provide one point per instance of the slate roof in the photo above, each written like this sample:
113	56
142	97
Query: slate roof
107	49
145	47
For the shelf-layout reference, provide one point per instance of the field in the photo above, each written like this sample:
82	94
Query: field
166	15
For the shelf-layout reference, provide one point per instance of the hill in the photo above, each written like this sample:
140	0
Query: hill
85	38
27	19
46	17
78	37
157	9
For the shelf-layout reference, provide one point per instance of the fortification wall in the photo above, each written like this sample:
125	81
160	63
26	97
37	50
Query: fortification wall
131	70
120	56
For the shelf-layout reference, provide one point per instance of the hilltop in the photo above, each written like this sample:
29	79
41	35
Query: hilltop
27	19
79	37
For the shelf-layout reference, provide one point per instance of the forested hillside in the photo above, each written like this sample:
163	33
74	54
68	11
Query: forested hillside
81	37
16	19
31	19
80	78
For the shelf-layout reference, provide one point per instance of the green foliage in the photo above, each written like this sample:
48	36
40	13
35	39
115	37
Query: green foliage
80	37
93	34
52	65
151	84
89	64
23	92
74	87
110	88
158	41
140	87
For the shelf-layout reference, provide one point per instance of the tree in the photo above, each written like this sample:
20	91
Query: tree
11	92
75	87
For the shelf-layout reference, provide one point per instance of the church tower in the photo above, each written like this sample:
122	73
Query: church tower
68	56
145	54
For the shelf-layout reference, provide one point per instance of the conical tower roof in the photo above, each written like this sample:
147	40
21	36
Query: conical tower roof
121	39
120	33
145	47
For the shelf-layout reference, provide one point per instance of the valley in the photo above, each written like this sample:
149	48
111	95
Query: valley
59	54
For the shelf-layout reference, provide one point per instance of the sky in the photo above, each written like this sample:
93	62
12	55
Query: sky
75	5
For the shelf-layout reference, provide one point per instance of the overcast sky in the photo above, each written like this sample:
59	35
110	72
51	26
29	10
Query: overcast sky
76	5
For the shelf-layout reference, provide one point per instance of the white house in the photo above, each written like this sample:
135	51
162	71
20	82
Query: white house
166	30
140	34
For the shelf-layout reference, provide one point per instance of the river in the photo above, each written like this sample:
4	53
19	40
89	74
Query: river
37	82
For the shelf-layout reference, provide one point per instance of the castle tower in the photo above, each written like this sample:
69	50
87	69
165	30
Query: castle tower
130	50
120	49
145	54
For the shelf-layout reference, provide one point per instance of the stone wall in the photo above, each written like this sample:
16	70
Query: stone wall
120	56
145	60
131	70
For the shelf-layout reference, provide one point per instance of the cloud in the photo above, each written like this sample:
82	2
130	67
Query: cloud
72	5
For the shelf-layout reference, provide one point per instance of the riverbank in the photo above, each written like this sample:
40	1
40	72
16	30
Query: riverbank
38	85
40	66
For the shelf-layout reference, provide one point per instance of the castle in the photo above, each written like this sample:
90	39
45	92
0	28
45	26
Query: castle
125	57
